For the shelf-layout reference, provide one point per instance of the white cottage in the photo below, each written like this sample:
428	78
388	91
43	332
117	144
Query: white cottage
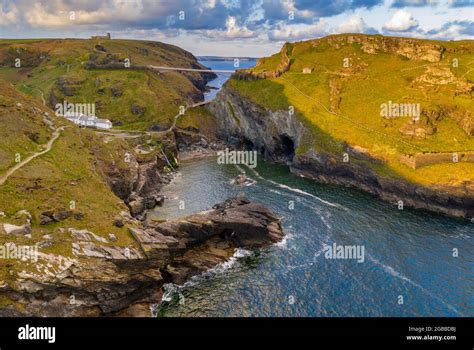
103	123
88	121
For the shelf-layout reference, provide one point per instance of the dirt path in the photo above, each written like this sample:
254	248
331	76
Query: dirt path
123	132
49	145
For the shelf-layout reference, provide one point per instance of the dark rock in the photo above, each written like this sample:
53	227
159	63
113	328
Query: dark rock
160	199
158	127
244	223
100	48
44	219
137	109
116	91
136	206
189	140
61	215
78	215
150	202
118	222
68	88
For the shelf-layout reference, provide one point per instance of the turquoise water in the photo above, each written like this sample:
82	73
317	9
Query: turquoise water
222	77
408	254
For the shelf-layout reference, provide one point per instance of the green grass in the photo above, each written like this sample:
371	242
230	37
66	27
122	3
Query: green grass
71	171
372	80
199	118
160	94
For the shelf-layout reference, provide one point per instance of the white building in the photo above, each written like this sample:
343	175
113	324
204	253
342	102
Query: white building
103	123
88	121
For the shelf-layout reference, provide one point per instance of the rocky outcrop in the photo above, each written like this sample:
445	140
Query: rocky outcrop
276	134
102	278
190	140
413	49
282	67
139	179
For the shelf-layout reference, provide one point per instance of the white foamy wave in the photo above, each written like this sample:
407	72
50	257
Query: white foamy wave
171	289
297	190
325	221
391	271
255	172
308	264
284	242
275	191
242	171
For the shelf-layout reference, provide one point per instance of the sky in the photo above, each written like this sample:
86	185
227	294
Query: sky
235	28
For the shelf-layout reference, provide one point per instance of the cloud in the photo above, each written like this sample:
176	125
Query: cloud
297	32
8	15
325	8
402	21
242	22
414	3
454	30
355	24
461	3
233	31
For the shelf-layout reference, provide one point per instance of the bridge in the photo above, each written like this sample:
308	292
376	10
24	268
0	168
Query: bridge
164	68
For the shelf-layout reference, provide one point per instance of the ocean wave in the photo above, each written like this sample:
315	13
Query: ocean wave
283	244
171	289
296	190
310	263
391	271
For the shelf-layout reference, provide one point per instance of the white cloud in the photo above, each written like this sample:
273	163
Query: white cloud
233	31
39	15
299	31
452	31
401	21
355	24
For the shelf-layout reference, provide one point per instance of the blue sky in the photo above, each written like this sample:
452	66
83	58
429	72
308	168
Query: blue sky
235	27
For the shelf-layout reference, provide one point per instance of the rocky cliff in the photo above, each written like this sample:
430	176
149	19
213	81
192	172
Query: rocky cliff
104	279
281	136
140	177
241	123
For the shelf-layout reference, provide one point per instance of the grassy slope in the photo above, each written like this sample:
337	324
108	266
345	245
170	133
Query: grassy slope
67	173
199	118
160	94
362	94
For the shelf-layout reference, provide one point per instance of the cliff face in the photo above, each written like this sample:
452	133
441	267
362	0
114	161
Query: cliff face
410	48
138	181
277	134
